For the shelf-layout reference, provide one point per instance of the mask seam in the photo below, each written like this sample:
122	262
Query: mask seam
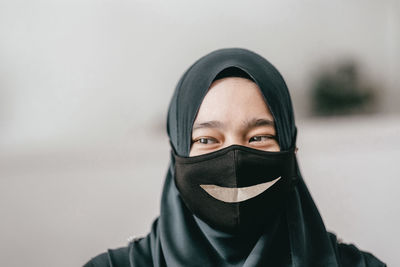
235	152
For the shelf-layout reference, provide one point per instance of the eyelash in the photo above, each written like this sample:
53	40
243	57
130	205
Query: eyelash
203	138
269	137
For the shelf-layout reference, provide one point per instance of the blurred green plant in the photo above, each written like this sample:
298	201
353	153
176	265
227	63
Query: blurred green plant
339	90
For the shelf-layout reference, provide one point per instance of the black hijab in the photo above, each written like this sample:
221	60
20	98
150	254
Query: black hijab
178	238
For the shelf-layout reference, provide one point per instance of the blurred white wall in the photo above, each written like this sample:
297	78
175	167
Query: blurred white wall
84	89
73	68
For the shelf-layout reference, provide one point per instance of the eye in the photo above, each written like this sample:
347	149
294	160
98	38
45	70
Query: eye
205	141
262	138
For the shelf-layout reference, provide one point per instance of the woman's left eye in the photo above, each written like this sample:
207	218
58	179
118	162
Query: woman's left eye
260	138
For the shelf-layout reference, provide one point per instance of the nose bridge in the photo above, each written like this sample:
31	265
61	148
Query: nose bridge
233	139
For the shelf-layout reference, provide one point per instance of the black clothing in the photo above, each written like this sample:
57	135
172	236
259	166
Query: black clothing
347	255
178	238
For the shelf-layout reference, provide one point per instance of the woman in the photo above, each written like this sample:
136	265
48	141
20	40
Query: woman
234	195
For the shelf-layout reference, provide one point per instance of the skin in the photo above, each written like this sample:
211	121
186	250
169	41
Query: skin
233	112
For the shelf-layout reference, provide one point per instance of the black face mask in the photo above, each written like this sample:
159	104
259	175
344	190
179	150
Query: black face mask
236	189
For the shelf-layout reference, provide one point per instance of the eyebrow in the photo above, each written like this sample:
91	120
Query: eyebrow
247	124
259	122
208	124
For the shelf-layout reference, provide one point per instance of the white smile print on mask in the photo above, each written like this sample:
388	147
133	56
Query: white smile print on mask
237	194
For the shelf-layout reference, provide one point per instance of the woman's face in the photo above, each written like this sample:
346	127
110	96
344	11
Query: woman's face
233	112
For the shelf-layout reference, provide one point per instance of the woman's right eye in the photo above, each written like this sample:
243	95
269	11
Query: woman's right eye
205	141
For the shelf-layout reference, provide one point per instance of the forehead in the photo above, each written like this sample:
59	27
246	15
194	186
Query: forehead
232	100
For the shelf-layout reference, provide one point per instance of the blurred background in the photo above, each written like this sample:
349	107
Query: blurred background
84	91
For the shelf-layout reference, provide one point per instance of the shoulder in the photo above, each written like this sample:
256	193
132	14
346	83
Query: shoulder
350	255
98	261
137	252
112	258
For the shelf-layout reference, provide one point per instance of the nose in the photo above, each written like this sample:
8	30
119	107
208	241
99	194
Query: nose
234	140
